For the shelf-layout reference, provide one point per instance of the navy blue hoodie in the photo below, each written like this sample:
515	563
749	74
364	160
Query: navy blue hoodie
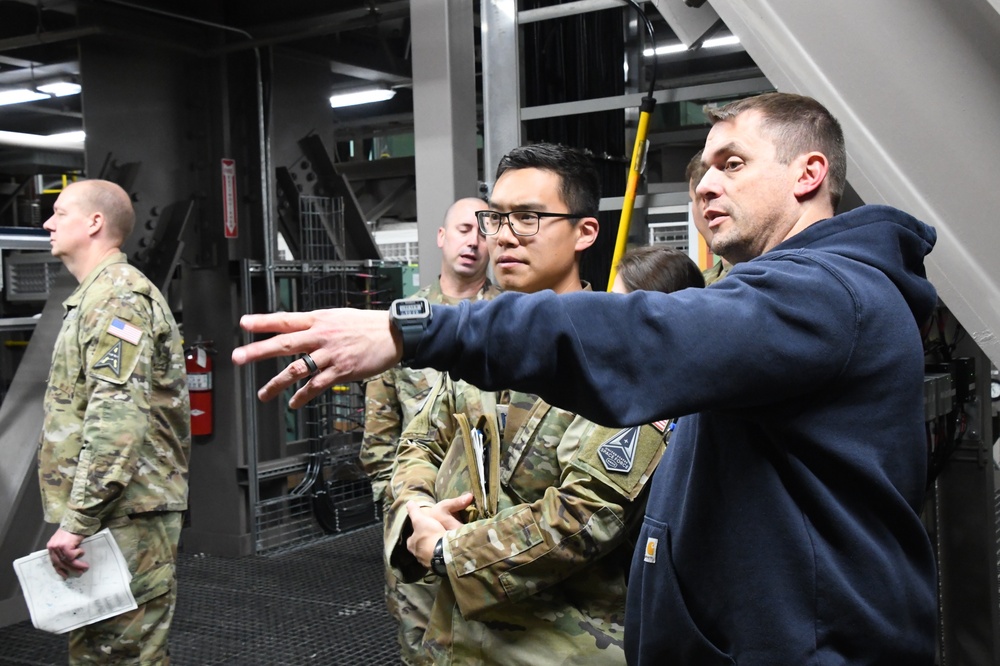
782	525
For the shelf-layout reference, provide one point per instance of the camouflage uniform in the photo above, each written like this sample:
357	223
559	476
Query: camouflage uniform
115	446
392	400
537	575
716	272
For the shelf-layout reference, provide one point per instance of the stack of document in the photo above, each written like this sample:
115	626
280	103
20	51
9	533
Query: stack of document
58	605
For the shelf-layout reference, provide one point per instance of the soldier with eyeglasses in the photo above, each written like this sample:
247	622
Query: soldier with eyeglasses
555	592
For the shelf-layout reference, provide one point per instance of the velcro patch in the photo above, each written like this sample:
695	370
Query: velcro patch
618	453
125	331
112	360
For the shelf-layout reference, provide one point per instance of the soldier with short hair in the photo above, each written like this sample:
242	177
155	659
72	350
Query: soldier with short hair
116	437
555	591
394	397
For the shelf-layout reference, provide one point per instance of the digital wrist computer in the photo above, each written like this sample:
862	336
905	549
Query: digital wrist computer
411	316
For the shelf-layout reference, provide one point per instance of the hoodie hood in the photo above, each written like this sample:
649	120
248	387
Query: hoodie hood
882	237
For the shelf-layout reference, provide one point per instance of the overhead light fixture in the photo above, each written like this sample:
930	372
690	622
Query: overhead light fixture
59	88
78	135
47	89
720	41
363	96
20	95
728	40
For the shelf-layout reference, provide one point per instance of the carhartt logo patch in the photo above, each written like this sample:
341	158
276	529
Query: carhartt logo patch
618	452
650	555
112	360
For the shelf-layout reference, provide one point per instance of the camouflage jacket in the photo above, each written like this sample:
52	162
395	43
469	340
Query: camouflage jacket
716	272
393	398
538	572
116	433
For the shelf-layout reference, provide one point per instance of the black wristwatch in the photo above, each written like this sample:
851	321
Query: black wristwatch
411	316
437	559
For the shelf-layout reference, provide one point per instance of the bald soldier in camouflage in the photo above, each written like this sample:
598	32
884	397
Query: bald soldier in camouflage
527	529
116	436
393	398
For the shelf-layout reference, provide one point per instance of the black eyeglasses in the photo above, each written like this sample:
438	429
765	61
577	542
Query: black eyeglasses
522	222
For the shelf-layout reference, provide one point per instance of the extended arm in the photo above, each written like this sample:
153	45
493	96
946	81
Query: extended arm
568	348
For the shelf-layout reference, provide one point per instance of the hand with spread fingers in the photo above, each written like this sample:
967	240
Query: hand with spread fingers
336	345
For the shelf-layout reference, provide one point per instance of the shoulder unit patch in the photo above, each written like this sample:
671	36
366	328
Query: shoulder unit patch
111	360
618	453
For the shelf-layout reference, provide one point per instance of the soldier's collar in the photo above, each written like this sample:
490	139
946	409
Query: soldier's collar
76	297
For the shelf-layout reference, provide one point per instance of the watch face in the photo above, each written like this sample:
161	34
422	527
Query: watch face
410	309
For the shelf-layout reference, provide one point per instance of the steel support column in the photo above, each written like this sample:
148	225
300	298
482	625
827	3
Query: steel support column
501	82
444	117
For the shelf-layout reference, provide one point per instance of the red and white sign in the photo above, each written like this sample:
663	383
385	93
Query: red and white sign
229	198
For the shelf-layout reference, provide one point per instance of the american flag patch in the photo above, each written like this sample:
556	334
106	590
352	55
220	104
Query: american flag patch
125	331
661	425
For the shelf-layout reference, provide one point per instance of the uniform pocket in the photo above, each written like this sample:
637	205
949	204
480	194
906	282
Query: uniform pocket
515	534
149	543
658	621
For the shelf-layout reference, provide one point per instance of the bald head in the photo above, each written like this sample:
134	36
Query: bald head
103	196
463	209
463	249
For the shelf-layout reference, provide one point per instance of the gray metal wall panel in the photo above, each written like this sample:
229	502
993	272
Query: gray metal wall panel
21	528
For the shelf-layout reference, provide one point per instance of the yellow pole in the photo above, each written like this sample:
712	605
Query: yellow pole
634	171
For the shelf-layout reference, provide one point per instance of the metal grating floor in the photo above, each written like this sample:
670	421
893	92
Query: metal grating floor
323	604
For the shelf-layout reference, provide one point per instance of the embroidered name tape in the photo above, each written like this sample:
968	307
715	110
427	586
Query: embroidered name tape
618	453
125	331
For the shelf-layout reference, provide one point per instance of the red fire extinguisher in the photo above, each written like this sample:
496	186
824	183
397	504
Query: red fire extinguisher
198	363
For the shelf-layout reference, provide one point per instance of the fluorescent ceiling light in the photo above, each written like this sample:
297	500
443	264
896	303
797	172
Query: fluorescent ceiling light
720	41
707	44
60	88
670	48
361	97
20	95
78	135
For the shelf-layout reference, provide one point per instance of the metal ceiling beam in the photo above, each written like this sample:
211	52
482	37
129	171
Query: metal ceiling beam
318	26
368	73
54	37
685	93
690	24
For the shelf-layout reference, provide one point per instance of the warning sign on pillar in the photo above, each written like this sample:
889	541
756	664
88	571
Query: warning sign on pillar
229	198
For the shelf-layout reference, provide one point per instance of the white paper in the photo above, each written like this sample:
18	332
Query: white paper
58	605
479	451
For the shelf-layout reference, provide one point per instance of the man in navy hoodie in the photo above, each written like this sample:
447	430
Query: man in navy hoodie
782	525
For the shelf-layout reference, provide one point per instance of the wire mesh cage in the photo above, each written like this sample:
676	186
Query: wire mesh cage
322	227
328	491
